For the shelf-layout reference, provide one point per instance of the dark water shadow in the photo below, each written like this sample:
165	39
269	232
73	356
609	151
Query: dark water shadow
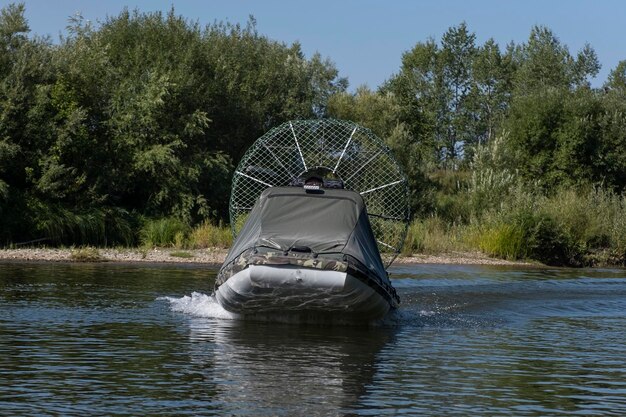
285	369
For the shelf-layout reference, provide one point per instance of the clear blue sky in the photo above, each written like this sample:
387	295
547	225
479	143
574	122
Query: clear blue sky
366	38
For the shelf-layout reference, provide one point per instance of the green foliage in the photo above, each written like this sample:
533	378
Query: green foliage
533	234
492	74
143	113
375	110
593	221
544	62
165	232
575	228
210	235
380	112
435	235
567	228
492	179
29	218
173	232
505	241
4	191
86	254
453	94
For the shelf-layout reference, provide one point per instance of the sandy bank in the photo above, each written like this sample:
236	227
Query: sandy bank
159	255
216	256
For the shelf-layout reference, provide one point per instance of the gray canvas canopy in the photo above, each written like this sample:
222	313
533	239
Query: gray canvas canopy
333	149
328	223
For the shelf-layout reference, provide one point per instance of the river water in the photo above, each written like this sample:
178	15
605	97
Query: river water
110	339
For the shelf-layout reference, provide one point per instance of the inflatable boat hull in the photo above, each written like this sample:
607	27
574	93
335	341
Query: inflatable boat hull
268	289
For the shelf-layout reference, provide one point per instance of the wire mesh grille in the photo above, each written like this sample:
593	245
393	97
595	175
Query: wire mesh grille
350	152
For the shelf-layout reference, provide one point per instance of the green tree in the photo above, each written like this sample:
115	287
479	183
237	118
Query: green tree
616	81
183	103
612	163
492	73
554	119
544	62
455	126
442	90
143	115
418	90
380	112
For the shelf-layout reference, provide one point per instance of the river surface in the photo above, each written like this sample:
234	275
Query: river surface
110	339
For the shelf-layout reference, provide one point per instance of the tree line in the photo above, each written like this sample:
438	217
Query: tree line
453	97
141	117
145	115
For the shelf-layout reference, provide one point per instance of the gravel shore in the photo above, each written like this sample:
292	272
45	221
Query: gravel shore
215	256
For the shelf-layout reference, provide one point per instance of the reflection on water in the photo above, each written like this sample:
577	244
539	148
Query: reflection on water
257	370
261	368
114	339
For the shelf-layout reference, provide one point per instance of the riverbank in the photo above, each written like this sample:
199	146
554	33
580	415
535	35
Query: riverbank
213	256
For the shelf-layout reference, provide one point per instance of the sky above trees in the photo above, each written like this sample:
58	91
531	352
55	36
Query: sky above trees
366	38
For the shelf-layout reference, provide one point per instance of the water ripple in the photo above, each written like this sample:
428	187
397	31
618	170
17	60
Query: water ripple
106	340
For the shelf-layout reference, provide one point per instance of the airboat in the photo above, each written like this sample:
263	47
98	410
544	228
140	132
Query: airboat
319	211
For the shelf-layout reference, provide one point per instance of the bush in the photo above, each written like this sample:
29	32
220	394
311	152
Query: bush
523	228
617	235
570	227
593	221
550	244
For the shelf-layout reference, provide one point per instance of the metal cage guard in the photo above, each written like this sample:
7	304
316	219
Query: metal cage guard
345	150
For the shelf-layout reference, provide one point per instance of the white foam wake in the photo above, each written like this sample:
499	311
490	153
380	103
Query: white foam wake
199	305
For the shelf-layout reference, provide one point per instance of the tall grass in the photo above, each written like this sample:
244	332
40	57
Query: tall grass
210	235
96	226
4	190
506	241
570	227
434	235
166	232
594	221
490	208
173	232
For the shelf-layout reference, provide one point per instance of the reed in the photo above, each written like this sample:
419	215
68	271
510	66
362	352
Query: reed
86	254
165	232
210	235
434	235
571	227
504	241
96	226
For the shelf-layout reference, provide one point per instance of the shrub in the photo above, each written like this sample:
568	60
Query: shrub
618	235
550	244
523	228
61	225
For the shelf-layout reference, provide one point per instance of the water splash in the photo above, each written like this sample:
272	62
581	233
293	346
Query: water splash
199	305
207	306
437	316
